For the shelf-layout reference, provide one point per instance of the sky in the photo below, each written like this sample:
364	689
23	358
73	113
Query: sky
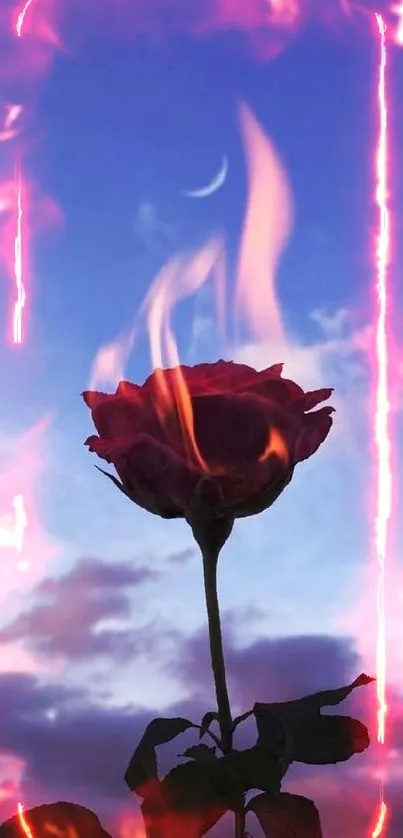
103	624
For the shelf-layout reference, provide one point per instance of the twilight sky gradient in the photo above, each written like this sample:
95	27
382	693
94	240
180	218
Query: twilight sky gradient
106	626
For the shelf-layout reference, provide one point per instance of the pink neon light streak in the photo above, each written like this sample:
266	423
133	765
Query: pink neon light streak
381	429
18	264
21	18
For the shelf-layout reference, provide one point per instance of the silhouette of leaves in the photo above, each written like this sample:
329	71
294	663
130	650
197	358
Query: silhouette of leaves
255	768
286	815
62	820
142	768
206	721
297	731
200	752
194	796
190	800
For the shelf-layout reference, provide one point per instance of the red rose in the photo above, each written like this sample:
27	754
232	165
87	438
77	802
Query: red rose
249	430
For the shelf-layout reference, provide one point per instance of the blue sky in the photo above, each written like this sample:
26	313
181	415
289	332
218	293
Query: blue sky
118	129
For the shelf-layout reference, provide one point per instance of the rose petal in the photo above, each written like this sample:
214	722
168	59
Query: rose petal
235	410
157	470
279	391
315	431
122	414
312	398
220	377
232	430
254	489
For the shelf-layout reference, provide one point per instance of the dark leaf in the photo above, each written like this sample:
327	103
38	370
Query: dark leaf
286	816
330	739
114	479
255	768
142	768
190	800
56	819
141	498
296	730
200	752
312	703
239	719
206	721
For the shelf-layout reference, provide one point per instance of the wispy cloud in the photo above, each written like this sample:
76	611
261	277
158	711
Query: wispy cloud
67	617
152	232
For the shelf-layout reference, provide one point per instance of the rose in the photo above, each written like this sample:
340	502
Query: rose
246	432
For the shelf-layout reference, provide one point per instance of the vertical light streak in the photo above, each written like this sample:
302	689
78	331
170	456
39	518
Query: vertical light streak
382	437
18	263
382	440
24	826
18	266
381	821
21	18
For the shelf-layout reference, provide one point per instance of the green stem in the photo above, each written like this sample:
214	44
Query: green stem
218	665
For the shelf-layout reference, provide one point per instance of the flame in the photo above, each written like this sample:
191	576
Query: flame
180	277
267	226
276	444
109	363
23	823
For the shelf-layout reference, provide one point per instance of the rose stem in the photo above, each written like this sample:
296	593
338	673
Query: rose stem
210	561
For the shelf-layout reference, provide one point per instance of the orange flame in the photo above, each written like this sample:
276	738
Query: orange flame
180	277
276	444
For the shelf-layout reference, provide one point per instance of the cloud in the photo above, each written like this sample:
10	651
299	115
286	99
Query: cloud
67	617
282	667
181	557
72	747
338	357
151	231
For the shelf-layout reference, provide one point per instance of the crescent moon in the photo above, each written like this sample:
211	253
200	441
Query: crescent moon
214	184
